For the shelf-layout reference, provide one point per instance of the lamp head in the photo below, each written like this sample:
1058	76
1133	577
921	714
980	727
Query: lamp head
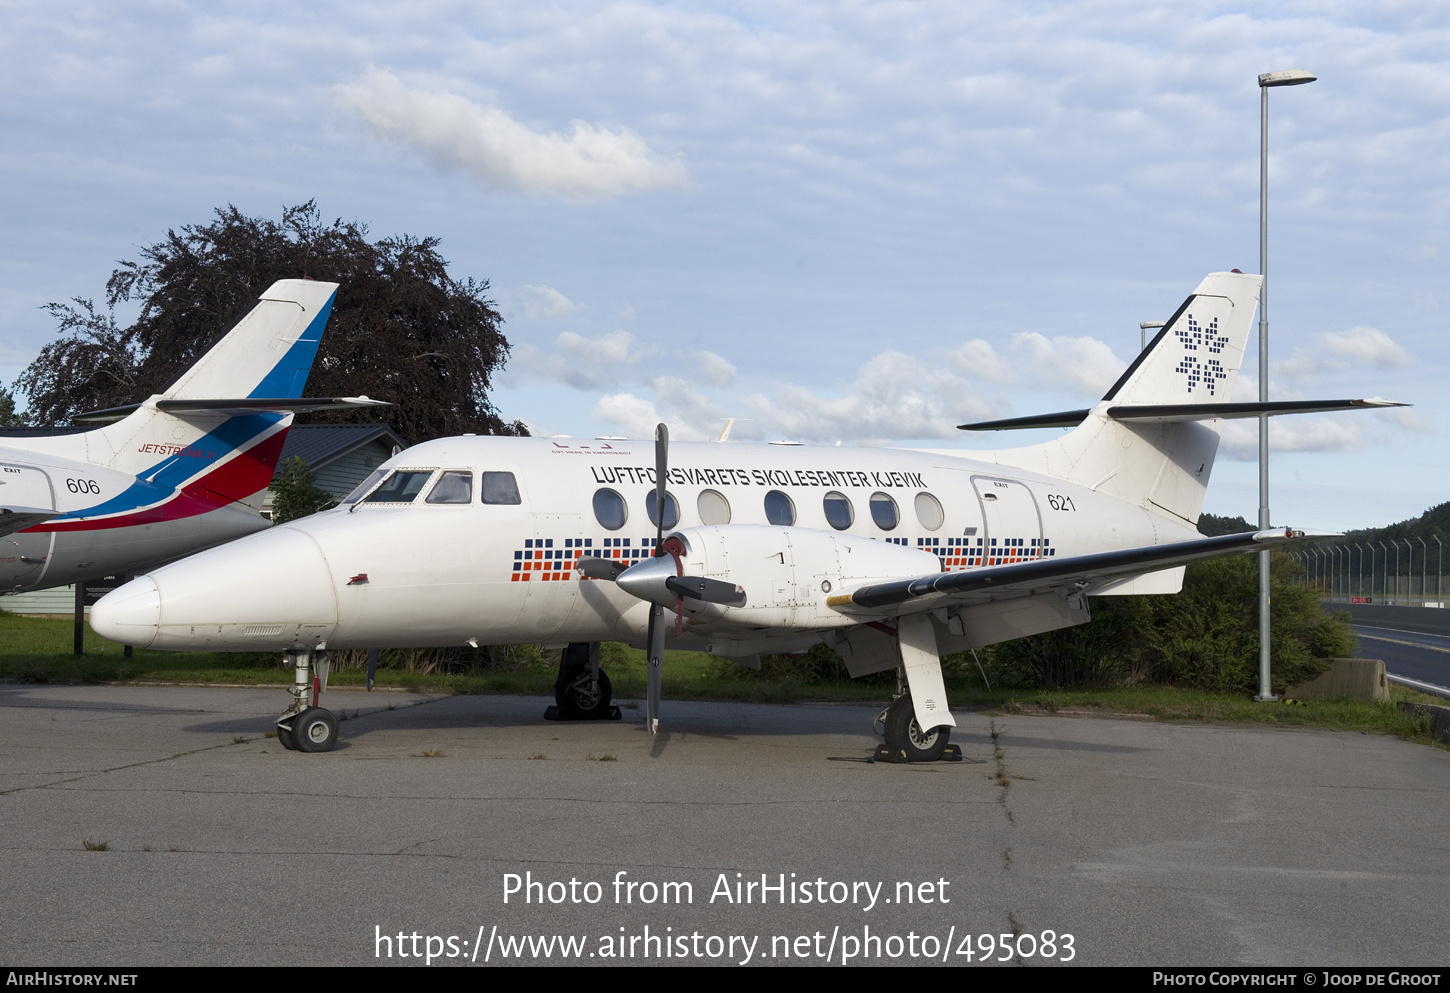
1286	77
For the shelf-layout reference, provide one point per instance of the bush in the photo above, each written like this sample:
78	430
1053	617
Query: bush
1206	637
463	661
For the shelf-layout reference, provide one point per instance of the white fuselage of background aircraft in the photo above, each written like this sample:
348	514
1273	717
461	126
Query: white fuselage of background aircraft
179	472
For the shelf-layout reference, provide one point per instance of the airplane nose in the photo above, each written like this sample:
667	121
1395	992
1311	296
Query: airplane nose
271	590
129	614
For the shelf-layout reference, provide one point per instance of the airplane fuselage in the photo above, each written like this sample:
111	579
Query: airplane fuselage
499	567
91	536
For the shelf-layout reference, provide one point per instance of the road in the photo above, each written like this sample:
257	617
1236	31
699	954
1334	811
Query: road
1149	844
1420	659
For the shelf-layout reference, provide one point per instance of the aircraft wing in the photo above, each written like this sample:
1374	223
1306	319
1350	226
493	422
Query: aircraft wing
14	519
1081	573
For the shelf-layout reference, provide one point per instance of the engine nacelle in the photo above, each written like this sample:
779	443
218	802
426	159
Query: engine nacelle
787	572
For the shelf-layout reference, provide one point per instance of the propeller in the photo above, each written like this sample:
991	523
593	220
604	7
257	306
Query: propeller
656	637
658	581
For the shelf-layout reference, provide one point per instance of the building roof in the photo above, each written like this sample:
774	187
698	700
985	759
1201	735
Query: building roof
44	432
319	444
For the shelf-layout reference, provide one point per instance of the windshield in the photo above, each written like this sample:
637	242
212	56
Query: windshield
364	486
401	487
452	487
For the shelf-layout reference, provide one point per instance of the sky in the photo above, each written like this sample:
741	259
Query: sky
861	223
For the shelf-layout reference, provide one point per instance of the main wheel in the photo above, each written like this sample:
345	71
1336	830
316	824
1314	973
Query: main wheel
904	734
314	730
579	696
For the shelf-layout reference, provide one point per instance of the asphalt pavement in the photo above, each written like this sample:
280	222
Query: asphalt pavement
1421	659
1146	843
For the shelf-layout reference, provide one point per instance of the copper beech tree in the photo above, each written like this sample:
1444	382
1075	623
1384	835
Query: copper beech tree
402	329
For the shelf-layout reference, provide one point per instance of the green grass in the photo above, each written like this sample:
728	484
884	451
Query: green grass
39	650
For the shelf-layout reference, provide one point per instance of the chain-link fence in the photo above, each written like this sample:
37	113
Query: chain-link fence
1405	571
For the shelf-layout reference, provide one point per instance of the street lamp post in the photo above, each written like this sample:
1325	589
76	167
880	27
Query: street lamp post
1143	333
1288	77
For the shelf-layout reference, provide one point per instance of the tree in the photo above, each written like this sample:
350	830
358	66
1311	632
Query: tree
402	329
1212	525
297	493
8	416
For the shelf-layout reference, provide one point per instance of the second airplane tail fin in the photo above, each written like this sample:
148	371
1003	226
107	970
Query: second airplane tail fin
214	436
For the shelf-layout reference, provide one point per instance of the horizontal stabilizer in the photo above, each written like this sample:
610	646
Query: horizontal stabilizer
236	407
14	519
1076	573
1061	419
1166	413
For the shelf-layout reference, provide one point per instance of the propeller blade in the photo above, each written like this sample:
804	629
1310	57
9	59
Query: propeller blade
372	667
708	590
656	663
662	470
591	567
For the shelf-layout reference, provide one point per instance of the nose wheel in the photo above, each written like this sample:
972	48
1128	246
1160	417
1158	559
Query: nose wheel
582	691
306	727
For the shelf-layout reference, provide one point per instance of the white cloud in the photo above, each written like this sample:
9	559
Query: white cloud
584	363
1366	346
1084	365
630	415
715	370
893	396
593	163
1293	433
545	301
1408	419
1336	350
979	360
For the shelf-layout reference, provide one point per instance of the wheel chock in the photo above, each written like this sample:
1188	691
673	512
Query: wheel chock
950	754
552	713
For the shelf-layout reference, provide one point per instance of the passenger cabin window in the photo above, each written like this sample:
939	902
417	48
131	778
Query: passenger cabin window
779	509
364	486
929	512
452	487
884	512
500	488
610	510
713	507
402	486
839	512
672	509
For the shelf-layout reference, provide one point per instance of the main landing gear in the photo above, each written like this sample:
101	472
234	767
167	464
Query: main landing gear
906	741
582	691
306	727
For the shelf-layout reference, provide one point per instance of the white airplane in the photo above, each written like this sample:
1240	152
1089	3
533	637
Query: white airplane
891	557
180	472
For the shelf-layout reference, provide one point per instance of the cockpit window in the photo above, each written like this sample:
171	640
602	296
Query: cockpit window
500	487
452	487
364	486
402	486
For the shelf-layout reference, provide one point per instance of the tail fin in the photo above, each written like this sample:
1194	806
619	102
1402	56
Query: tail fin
207	456
269	352
1162	466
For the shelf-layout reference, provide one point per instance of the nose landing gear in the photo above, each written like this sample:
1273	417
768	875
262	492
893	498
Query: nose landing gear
582	691
306	727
